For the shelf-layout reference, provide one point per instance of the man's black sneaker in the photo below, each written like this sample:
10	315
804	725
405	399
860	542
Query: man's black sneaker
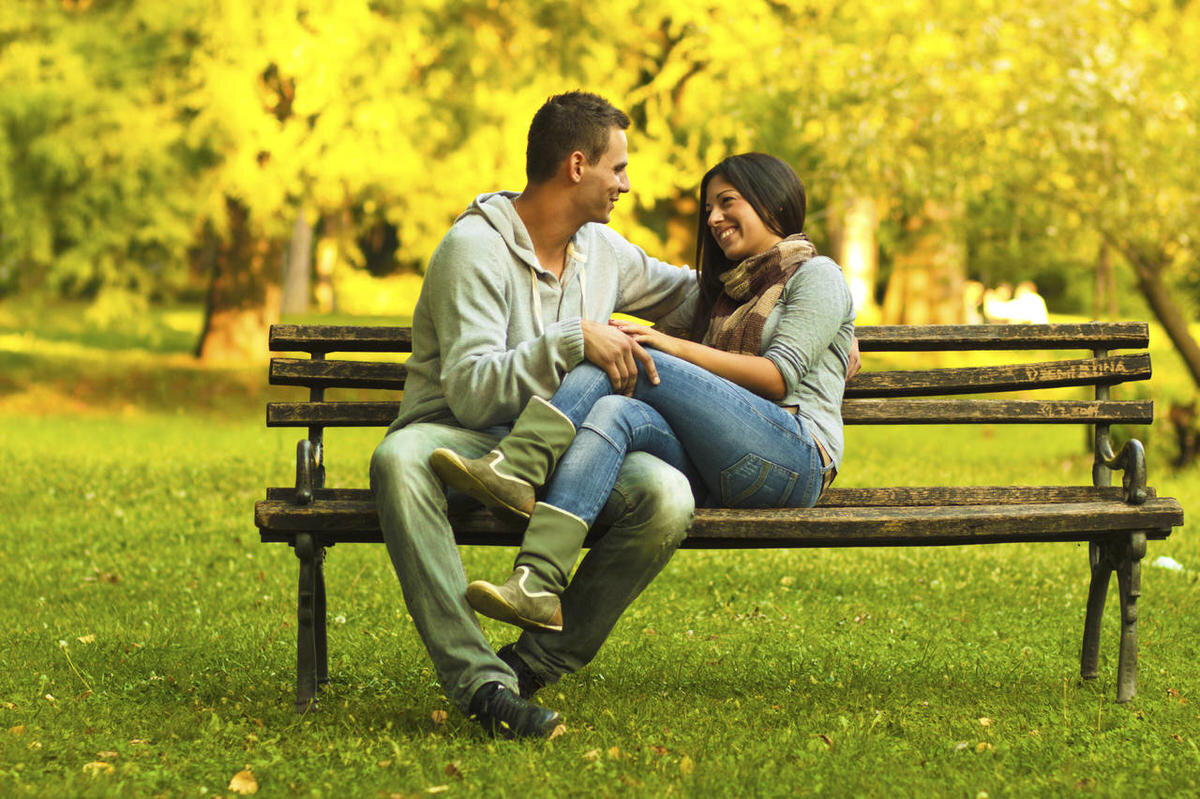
529	682
503	713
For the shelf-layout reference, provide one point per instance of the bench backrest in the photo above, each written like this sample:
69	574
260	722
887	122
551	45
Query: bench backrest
925	396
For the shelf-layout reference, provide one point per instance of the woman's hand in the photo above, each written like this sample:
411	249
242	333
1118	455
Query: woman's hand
649	337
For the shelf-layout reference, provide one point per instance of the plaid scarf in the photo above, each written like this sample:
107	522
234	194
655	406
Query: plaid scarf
751	290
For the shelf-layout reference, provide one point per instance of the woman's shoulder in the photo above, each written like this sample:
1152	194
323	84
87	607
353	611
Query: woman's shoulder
816	269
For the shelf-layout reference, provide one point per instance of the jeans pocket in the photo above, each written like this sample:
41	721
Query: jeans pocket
755	482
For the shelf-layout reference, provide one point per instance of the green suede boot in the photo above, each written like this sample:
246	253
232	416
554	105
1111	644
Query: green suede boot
507	478
529	597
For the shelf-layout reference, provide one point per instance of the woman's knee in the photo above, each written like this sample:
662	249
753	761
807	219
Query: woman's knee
613	416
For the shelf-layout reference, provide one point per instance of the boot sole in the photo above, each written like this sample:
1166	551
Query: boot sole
452	471
484	598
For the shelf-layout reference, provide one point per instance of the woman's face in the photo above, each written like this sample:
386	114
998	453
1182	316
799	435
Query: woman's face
737	228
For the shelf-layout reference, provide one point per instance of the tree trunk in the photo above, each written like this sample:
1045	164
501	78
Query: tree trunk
297	268
243	293
335	229
1149	278
926	285
858	253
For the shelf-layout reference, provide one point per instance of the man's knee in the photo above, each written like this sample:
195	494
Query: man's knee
656	497
400	469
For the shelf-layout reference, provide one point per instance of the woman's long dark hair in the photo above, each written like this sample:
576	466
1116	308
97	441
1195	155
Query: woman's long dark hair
776	194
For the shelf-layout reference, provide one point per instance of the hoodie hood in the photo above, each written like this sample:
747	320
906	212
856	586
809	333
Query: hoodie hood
497	209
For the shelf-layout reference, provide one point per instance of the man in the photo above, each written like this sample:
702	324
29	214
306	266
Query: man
518	292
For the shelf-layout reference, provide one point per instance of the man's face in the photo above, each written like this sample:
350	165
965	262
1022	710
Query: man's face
606	180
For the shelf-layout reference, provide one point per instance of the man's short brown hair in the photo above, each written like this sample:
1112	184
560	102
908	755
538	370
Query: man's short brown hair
566	123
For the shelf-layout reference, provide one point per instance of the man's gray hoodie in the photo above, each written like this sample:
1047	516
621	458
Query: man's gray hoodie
492	327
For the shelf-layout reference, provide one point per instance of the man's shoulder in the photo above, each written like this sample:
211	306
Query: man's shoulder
470	240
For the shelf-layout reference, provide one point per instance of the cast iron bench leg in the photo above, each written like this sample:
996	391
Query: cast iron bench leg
1125	558
306	639
1129	581
1102	568
319	612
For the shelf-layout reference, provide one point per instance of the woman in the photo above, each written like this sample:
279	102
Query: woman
748	404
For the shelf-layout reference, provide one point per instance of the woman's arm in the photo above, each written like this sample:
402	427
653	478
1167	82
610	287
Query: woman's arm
752	372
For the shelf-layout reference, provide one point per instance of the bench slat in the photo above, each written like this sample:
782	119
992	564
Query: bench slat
337	374
856	497
350	521
878	338
855	411
1088	336
1012	377
912	383
988	411
340	338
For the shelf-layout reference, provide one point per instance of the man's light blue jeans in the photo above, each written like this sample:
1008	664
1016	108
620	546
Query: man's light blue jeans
648	506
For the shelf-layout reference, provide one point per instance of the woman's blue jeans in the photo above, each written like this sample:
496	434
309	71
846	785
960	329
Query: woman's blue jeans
741	450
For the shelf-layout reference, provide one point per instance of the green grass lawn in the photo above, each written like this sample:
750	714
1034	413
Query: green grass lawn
149	643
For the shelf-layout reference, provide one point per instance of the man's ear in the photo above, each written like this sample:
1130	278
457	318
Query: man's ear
576	161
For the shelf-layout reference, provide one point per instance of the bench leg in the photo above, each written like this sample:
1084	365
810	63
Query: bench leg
1124	557
1089	660
306	638
1129	582
319	619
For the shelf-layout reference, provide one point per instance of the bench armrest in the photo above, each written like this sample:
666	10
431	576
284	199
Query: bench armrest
305	467
1131	462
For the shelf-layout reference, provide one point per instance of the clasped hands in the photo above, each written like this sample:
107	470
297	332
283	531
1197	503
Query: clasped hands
619	346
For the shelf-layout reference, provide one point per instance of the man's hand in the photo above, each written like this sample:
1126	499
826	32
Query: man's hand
854	361
617	354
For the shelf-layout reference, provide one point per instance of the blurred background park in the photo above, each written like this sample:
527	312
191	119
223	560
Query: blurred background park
176	176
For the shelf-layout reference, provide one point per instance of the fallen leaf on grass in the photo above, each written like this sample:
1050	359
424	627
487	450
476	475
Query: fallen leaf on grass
437	788
984	721
961	745
454	770
98	767
90	638
686	766
1177	737
592	754
17	730
138	741
107	755
561	729
35	745
614	752
439	716
9	706
384	763
828	740
982	746
659	750
244	782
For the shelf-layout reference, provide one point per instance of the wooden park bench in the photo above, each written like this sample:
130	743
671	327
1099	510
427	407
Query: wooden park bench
1116	522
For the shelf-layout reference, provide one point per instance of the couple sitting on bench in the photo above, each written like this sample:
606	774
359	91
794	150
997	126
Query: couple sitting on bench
733	399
